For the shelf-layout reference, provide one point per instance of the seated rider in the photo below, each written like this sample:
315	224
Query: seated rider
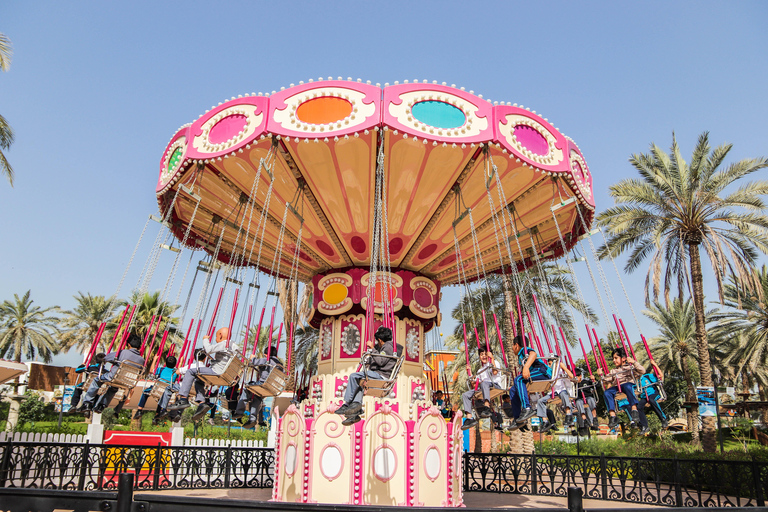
166	374
585	396
560	387
380	367
649	395
132	354
533	368
487	377
621	380
439	402
219	357
252	400
77	393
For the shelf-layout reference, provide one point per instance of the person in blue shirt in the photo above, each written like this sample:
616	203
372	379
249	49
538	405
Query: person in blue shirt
166	374
77	393
532	368
649	395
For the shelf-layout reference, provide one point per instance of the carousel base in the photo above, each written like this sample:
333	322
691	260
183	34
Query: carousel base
381	460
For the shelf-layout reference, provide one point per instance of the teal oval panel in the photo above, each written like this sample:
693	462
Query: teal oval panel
439	114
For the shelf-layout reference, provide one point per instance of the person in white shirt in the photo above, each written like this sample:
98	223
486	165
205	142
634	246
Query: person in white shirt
487	377
561	387
219	356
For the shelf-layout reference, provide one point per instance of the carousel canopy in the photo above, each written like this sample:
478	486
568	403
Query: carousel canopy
319	145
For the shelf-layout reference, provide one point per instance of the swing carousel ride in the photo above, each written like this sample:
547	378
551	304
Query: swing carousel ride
376	198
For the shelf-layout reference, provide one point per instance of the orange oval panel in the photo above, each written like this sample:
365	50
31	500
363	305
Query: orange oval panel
324	110
335	294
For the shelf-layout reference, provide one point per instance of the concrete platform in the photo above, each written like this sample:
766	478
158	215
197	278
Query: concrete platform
471	499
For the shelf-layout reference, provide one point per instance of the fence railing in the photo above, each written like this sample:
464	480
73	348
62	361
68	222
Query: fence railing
667	482
96	467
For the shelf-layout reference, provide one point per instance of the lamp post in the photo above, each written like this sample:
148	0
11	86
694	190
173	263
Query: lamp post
61	408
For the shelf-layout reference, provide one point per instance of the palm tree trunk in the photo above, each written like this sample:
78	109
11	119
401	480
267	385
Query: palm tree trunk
289	291
693	426
705	370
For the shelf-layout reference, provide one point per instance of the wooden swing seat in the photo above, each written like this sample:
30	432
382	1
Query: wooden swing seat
230	374
273	385
381	388
127	375
158	388
492	395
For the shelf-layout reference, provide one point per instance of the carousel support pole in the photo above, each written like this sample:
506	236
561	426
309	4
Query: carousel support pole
154	336
535	334
586	358
183	351
567	349
160	350
127	330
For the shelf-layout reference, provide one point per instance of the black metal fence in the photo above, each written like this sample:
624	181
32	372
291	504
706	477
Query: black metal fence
96	467
666	482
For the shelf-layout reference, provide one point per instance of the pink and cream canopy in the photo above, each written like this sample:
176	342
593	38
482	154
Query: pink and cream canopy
328	135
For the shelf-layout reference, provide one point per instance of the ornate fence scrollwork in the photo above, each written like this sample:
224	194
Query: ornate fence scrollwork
666	482
96	467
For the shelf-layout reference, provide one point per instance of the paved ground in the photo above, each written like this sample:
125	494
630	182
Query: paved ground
471	499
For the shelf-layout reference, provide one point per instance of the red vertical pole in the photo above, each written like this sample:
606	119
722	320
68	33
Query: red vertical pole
557	344
621	335
541	321
95	344
586	357
119	325
520	318
289	348
477	338
567	349
631	348
146	337
258	333
154	336
190	356
501	343
513	323
277	346
124	338
183	351
594	350
466	348
212	325
600	348
485	327
232	318
535	334
247	330
160	350
650	356
269	339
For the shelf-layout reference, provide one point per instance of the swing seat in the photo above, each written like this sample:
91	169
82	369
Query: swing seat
230	374
128	374
273	385
621	396
381	388
539	386
158	388
554	401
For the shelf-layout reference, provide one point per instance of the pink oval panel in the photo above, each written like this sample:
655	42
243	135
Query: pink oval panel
358	244
427	251
324	247
531	139
395	245
227	128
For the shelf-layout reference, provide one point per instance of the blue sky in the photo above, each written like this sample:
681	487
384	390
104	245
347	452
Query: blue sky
96	89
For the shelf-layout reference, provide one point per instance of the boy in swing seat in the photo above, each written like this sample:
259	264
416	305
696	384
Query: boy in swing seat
585	404
253	401
166	374
649	395
532	368
621	380
487	377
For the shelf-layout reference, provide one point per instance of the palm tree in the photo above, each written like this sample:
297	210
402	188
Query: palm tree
149	308
675	210
6	133
27	330
82	323
675	349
